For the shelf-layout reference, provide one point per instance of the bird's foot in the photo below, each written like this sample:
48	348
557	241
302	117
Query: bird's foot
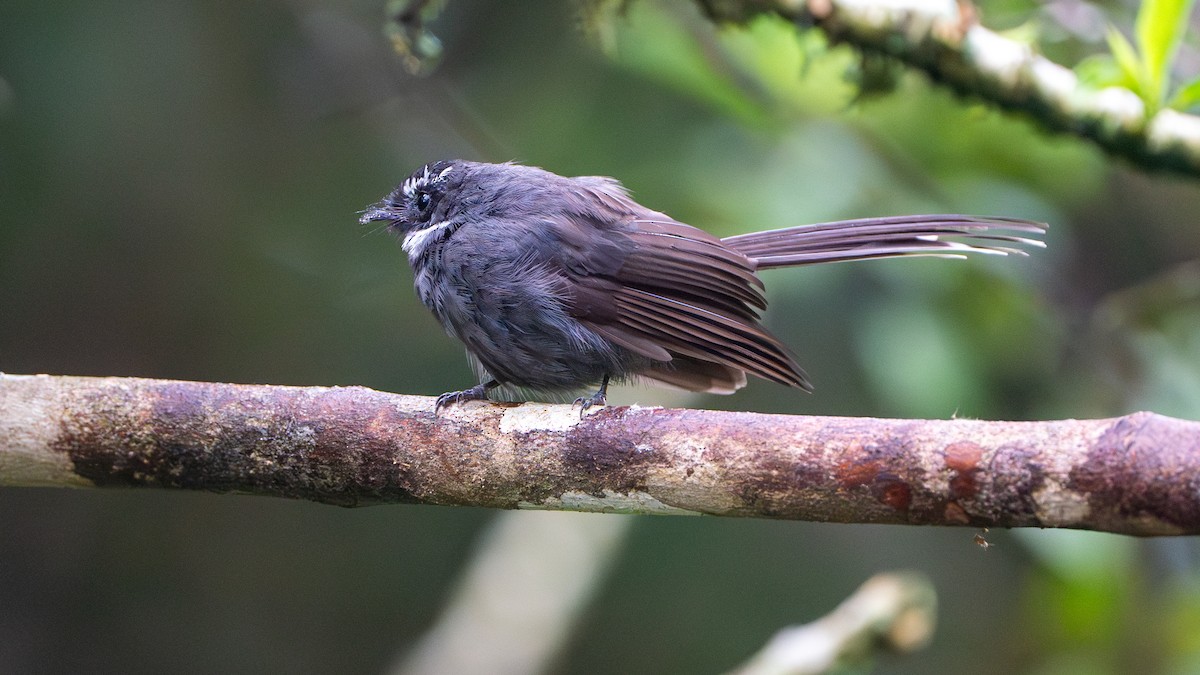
585	402
599	398
476	393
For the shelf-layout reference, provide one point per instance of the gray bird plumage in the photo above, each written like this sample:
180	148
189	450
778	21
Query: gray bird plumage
555	284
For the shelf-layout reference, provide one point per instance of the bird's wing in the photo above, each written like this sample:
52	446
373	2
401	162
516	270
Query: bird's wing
677	296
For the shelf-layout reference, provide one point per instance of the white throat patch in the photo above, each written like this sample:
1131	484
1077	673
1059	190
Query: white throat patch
417	241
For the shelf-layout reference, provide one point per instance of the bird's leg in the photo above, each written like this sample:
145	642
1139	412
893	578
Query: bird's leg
598	398
477	393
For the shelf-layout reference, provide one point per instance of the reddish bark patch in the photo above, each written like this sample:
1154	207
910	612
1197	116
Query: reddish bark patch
853	474
867	466
893	491
955	515
962	458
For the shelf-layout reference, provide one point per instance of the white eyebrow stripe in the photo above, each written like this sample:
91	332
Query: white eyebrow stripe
412	183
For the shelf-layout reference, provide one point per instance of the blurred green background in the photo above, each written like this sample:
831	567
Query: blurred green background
179	184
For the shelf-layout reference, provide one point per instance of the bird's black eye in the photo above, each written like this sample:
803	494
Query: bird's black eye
422	201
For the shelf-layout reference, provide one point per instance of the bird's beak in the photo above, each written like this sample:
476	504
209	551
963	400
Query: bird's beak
378	211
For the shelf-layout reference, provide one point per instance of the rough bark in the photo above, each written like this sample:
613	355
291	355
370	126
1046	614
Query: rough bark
1138	474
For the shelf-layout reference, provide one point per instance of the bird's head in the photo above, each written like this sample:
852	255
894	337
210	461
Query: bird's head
420	201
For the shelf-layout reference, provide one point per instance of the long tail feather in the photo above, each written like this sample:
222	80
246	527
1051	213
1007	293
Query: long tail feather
941	235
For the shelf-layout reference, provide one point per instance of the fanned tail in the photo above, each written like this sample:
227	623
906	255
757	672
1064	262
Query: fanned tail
941	235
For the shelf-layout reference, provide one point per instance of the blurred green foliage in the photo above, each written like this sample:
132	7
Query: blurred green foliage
178	188
1146	68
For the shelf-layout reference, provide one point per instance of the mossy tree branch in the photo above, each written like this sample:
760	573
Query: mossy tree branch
944	40
1138	474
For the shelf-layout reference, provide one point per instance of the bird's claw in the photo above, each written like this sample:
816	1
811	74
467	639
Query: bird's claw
585	402
476	393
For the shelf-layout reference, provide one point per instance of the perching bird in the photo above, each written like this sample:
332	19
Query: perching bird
555	283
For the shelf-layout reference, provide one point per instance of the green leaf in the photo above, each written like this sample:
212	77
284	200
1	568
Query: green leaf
1127	59
1101	70
1159	30
1187	96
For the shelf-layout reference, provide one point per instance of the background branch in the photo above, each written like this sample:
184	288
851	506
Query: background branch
521	596
1138	474
945	40
890	612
